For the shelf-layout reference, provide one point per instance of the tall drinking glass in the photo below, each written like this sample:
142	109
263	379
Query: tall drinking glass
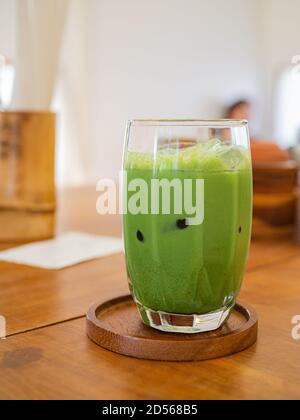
187	220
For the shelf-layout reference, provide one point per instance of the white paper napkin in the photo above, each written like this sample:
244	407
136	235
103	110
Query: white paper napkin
67	249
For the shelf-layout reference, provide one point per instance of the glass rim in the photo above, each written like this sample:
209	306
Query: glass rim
218	123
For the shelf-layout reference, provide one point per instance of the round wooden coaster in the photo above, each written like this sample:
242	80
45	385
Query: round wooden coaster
116	326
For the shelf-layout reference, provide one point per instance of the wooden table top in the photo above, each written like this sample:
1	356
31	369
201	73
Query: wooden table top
47	355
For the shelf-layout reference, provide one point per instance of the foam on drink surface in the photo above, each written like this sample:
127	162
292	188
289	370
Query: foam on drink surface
210	156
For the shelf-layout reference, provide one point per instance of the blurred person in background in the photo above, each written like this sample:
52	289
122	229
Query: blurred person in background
240	110
261	150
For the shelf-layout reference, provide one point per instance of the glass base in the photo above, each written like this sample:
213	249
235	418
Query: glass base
188	324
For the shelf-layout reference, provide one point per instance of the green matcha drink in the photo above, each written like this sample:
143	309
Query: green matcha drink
177	268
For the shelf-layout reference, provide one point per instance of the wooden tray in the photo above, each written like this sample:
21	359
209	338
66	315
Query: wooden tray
115	325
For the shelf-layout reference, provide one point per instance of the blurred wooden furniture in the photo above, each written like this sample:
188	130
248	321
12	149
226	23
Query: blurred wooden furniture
267	151
27	191
48	356
297	232
275	195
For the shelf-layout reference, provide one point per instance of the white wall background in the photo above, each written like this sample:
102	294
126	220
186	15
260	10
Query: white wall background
7	28
169	58
280	37
161	58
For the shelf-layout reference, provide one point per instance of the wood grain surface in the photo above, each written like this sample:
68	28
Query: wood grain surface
43	361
